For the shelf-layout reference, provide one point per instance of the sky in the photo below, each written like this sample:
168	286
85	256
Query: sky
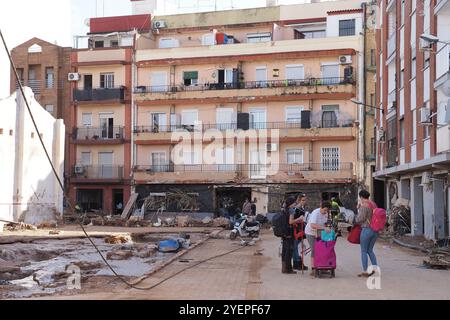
57	21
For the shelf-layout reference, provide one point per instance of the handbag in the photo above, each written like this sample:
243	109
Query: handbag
355	234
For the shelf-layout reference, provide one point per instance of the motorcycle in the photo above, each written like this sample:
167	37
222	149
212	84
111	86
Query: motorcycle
243	227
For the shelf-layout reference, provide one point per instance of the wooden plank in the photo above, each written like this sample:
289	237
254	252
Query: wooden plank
127	211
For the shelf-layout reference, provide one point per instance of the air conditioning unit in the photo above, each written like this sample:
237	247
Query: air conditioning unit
159	24
73	76
272	147
345	59
381	135
425	115
79	169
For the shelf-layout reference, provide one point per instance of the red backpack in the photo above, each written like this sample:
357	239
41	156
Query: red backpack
379	219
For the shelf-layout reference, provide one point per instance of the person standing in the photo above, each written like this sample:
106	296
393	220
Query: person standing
299	222
367	240
316	223
288	239
247	207
253	207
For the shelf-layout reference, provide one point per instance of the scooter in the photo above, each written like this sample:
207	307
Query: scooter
245	228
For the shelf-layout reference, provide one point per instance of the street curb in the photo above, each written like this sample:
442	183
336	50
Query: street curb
176	257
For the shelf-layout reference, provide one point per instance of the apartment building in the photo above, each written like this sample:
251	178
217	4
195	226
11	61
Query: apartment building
413	137
291	70
101	77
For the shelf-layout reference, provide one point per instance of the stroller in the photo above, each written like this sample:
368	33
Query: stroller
325	256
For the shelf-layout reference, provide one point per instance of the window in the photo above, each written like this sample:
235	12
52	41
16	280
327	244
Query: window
191	158
330	73
168	43
258	118
402	78
99	44
259	37
159	122
190	78
159	163
87	119
347	28
107	125
225	159
309	34
294	115
330	159
35	48
294	156
114	43
261	76
188	119
295	72
413	68
426	58
329	116
49	77
11	132
85	158
49	108
107	80
225	118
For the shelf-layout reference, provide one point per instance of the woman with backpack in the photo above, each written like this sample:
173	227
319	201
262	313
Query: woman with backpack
368	239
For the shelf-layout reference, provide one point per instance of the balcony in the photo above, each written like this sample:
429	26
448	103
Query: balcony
232	173
99	94
101	173
105	135
344	129
35	85
243	90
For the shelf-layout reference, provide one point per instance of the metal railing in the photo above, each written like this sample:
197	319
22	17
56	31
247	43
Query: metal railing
101	134
35	85
98	172
252	125
99	94
247	85
285	168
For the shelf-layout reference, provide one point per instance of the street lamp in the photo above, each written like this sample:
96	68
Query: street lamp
359	103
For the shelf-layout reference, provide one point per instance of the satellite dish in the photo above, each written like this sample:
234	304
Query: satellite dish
87	22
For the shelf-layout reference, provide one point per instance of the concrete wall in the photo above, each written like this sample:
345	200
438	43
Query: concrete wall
30	192
118	111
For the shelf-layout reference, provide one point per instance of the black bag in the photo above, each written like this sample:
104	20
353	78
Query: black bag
280	225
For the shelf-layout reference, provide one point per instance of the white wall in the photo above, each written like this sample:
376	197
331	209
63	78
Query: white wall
333	23
29	191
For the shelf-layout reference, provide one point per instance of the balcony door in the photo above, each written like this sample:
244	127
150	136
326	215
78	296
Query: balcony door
87	81
159	122
330	116
188	119
258	118
225	119
258	160
107	80
105	164
294	116
159	163
330	73
261	77
225	159
107	125
295	72
158	81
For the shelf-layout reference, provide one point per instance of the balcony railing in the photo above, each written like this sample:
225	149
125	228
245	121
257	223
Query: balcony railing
35	85
99	94
286	168
252	125
98	172
99	134
247	85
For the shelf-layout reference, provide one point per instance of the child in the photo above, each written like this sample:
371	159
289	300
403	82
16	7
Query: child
328	234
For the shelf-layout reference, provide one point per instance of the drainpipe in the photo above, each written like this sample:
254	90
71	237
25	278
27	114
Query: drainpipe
133	113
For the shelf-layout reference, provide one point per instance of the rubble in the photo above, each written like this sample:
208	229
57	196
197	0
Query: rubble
20	227
439	262
119	255
221	222
400	218
115	239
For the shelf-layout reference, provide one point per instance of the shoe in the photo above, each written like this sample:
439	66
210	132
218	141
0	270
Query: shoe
284	267
366	275
297	265
313	272
305	268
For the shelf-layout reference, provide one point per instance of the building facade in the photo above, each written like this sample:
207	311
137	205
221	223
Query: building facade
413	136
288	70
29	191
101	113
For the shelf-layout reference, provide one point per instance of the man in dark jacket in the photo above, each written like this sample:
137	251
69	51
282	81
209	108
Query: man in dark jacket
288	239
299	224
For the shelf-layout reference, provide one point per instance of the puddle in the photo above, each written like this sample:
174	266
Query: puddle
39	268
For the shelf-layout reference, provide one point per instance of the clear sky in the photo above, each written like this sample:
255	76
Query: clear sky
56	21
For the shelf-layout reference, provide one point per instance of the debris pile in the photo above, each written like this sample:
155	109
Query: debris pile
400	218
438	261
